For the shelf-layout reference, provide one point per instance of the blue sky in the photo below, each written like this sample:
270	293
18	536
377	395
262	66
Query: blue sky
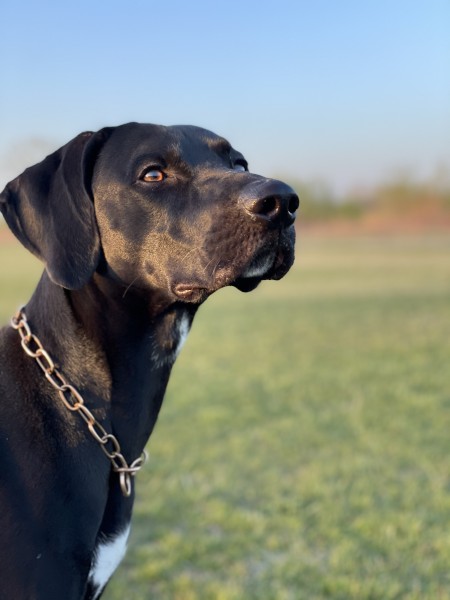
346	92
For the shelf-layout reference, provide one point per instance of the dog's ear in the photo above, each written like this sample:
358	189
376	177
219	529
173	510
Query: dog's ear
50	209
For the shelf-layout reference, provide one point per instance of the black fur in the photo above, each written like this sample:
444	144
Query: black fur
126	261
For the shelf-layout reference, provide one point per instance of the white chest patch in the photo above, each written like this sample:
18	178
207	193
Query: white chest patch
107	557
184	326
178	335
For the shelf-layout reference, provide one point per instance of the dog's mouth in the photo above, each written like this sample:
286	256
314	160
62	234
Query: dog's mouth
272	263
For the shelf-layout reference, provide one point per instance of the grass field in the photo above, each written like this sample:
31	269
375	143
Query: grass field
303	450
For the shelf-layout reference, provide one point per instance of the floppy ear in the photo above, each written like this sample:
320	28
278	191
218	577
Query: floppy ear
50	209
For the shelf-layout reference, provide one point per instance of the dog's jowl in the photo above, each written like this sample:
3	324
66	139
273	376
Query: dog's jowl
136	226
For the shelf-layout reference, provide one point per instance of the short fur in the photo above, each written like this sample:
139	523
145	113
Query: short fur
127	264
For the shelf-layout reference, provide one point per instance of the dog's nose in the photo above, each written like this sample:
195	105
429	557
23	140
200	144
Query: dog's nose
276	204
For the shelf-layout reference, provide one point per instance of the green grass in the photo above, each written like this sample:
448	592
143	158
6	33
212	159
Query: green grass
303	450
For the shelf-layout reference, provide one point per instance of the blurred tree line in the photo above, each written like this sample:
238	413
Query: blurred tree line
399	200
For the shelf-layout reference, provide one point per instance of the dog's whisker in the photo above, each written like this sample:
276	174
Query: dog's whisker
191	251
215	267
129	286
207	265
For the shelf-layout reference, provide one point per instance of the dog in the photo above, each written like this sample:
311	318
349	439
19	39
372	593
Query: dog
137	225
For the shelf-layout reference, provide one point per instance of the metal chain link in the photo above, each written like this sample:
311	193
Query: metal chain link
73	401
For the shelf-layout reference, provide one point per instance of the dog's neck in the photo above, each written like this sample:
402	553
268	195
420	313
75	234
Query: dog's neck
117	348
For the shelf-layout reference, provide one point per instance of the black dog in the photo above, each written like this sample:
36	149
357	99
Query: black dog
137	225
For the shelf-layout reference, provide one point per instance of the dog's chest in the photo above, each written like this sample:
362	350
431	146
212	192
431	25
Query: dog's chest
108	554
169	337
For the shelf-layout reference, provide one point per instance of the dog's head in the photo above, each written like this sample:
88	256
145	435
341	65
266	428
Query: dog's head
172	209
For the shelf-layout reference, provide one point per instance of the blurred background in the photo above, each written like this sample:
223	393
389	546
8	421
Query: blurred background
303	447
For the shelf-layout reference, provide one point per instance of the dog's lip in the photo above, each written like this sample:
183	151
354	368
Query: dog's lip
190	293
280	266
282	262
274	260
196	292
281	259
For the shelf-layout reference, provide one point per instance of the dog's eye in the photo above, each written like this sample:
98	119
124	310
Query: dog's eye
153	175
240	166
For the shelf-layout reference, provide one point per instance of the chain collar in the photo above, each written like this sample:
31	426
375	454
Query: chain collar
73	401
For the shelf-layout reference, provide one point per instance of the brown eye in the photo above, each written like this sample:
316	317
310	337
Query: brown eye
153	175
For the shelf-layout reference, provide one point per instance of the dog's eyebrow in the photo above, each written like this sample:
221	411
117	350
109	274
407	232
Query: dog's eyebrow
148	159
219	145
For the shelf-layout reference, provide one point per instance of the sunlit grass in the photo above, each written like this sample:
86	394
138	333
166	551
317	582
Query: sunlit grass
303	447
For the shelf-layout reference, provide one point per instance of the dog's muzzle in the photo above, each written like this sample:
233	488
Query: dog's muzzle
269	208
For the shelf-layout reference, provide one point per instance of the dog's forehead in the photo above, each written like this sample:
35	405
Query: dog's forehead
197	145
192	144
192	135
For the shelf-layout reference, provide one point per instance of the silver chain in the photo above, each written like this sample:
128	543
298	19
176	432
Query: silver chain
73	401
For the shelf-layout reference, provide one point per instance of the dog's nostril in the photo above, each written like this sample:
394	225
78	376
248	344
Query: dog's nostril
293	205
268	207
278	209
